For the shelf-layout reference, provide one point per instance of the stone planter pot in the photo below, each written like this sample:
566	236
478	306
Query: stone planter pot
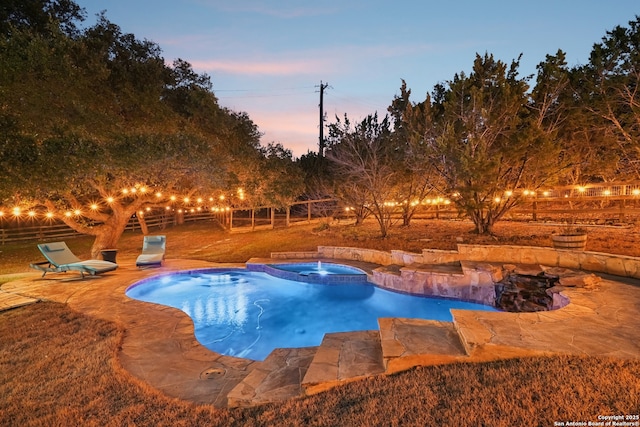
576	242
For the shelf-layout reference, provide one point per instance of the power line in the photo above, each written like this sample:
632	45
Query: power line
263	93
265	90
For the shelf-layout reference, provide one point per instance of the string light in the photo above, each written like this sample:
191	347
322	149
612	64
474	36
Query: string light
140	190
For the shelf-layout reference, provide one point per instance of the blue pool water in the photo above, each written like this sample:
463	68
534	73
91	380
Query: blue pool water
248	314
318	268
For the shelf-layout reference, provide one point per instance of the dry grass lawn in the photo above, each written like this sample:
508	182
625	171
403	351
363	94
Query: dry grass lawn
59	368
207	241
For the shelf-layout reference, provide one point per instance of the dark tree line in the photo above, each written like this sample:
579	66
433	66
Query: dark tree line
87	112
482	138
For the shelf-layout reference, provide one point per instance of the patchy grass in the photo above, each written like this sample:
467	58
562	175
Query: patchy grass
59	368
209	242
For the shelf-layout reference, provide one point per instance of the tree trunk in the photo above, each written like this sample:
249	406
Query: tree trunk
483	222
143	224
383	222
107	239
253	219
109	233
407	214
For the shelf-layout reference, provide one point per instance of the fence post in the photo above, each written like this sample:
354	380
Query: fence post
288	216
253	219
622	209
534	209
273	217
309	211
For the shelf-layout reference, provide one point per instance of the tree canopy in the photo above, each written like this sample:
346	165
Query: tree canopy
95	125
95	117
484	140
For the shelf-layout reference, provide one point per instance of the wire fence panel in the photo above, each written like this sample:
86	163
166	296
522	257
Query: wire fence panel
602	203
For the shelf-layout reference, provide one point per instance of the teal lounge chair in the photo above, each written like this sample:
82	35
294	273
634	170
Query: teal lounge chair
60	259
153	248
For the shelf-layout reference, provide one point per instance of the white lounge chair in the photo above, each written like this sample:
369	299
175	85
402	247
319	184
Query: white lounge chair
153	249
60	259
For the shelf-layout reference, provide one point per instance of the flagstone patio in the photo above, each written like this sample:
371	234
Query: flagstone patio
159	346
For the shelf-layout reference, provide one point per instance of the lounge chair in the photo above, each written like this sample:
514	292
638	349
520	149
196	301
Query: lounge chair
153	248
60	259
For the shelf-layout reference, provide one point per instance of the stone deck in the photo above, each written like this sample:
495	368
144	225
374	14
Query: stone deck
599	321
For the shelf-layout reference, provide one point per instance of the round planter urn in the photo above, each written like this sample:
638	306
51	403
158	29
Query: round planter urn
576	241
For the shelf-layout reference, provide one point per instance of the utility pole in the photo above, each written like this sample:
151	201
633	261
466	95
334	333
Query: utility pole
323	86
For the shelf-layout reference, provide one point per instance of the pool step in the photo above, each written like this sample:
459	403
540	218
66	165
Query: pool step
407	343
277	378
400	344
342	357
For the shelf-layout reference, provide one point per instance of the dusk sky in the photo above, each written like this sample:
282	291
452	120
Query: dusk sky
268	57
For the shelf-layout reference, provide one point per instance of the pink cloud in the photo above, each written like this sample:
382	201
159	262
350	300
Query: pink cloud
272	68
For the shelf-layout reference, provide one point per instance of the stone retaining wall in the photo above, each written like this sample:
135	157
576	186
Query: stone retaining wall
475	279
618	265
474	282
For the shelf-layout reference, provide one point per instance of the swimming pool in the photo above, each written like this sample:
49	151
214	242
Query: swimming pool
247	314
313	272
